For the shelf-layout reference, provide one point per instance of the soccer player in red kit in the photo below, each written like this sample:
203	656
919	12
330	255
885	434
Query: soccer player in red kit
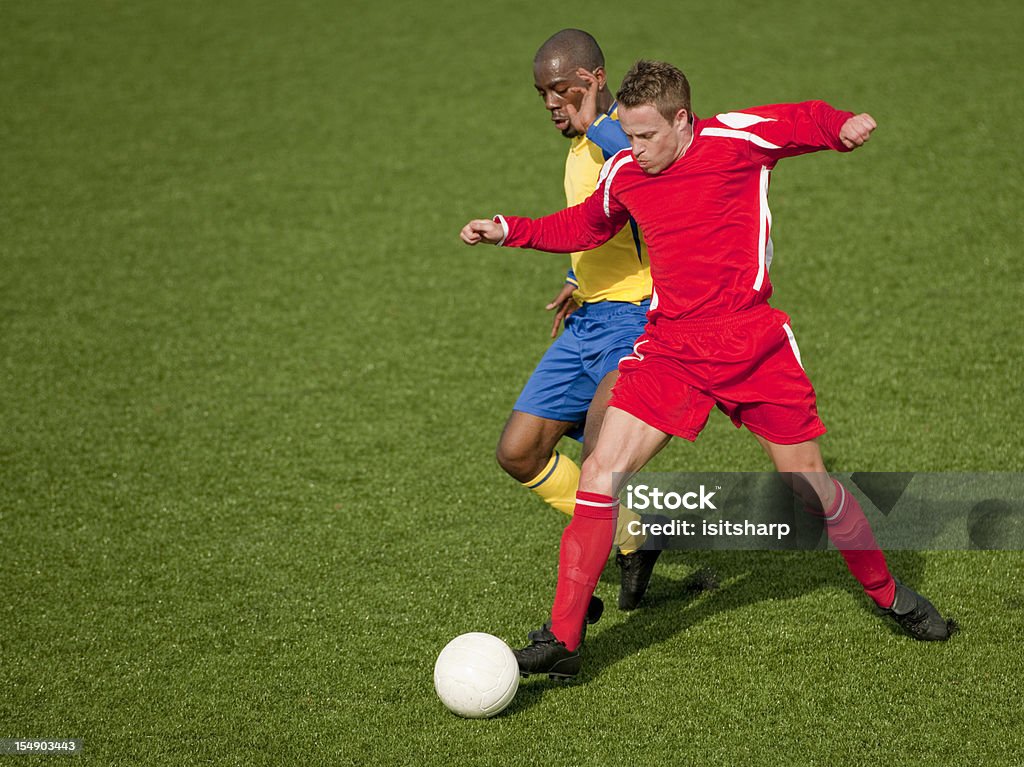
698	189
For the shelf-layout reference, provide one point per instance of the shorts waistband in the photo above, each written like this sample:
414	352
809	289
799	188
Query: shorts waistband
715	321
612	307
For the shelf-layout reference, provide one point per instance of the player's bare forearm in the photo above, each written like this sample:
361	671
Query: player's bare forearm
857	130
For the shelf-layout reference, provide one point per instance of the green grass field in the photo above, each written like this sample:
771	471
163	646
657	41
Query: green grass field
250	384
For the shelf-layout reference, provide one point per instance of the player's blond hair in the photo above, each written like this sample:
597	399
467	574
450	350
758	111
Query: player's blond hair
657	83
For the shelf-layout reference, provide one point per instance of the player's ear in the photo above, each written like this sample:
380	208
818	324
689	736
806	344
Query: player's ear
602	77
682	119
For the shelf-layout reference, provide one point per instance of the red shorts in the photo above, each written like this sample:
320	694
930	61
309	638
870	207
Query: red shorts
747	364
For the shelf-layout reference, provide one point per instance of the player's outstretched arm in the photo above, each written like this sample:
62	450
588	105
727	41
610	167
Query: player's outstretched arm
582	227
482	230
857	130
789	130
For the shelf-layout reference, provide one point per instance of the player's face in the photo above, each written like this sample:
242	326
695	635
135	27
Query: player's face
655	141
553	80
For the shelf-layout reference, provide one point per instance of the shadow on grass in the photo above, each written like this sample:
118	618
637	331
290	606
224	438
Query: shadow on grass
719	582
744	578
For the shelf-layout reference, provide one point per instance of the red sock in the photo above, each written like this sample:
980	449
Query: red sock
586	542
850	532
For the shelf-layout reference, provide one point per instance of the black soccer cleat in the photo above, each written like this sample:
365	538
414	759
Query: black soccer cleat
918	617
594	612
546	655
636	576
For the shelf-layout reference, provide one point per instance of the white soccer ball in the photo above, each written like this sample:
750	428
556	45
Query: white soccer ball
476	675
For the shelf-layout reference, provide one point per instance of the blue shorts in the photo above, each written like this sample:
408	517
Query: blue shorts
595	338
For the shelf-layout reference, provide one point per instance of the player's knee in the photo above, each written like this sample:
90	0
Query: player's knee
518	461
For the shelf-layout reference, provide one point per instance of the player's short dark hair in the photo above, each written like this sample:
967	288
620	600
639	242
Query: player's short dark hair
577	46
657	83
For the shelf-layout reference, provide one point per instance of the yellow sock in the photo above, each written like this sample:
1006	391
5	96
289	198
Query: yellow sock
557	483
626	542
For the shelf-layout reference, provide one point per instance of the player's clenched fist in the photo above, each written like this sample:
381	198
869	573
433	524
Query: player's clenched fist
482	230
857	130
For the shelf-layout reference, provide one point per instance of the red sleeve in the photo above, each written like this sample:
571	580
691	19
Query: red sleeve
785	130
582	227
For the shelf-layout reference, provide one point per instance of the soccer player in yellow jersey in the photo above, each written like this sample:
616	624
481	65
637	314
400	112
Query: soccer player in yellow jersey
603	305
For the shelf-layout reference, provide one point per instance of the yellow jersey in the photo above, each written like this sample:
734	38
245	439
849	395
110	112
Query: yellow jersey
619	269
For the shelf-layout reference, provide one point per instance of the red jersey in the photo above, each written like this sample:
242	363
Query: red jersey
705	218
